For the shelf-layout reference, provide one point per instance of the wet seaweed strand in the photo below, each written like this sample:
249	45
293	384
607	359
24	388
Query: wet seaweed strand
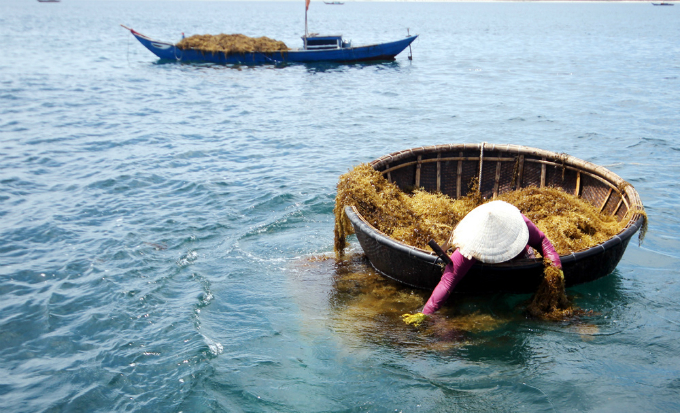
550	301
570	223
231	43
635	209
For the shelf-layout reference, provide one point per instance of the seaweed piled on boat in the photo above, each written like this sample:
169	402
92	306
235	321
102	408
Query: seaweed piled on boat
412	219
231	43
570	223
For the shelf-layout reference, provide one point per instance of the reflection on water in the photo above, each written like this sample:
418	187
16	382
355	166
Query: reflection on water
362	306
324	67
587	332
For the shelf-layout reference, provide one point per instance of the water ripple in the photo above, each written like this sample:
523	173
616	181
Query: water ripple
167	228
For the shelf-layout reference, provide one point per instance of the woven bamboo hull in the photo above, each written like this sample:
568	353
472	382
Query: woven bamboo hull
449	169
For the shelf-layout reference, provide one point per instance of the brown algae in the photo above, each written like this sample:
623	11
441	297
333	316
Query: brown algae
550	301
570	223
412	219
231	43
364	306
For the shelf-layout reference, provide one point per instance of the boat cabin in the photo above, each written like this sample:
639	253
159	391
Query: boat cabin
317	42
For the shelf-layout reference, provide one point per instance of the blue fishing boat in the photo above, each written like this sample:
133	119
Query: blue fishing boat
316	48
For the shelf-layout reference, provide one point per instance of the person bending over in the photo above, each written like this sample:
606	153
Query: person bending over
492	233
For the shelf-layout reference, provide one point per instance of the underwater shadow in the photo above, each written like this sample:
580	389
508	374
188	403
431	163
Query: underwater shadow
325	67
217	66
366	308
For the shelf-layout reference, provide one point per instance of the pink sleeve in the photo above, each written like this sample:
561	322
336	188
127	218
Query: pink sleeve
540	242
452	275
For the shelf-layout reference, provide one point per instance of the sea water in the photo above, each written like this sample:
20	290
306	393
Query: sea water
166	229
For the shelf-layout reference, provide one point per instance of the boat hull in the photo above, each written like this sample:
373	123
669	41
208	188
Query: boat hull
376	52
438	168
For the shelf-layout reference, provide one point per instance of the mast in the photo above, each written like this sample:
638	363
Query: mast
306	8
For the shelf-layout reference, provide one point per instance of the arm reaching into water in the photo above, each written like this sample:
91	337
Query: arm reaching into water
453	273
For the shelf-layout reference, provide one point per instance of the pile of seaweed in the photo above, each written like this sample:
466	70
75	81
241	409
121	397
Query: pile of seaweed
570	223
231	43
413	218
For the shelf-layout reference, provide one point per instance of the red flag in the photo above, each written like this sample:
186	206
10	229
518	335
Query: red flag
306	5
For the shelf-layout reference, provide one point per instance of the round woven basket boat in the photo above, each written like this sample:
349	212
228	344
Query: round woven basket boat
500	168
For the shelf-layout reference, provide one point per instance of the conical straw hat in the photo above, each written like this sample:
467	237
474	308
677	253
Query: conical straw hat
493	232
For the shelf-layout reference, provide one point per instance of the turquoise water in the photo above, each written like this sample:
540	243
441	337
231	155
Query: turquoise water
167	229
